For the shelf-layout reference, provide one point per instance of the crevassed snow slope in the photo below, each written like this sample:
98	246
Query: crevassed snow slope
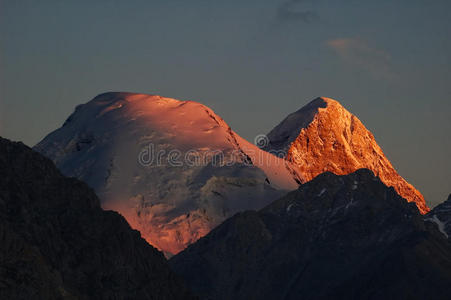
154	160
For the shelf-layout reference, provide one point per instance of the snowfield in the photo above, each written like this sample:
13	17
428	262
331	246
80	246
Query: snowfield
139	154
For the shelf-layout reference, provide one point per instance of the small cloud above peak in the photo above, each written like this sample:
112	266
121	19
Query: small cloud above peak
358	52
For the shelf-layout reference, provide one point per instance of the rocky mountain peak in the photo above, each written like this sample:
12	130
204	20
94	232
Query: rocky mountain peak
324	136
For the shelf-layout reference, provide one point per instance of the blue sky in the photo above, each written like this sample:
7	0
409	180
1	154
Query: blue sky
253	62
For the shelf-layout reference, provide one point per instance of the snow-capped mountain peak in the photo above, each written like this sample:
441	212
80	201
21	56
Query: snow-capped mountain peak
174	169
323	136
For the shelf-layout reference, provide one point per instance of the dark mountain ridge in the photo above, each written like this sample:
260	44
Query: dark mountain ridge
336	237
57	243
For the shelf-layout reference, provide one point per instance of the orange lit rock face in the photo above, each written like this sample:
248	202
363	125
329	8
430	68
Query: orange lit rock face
332	139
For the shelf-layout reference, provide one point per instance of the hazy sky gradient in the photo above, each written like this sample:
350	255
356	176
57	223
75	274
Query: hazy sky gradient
253	62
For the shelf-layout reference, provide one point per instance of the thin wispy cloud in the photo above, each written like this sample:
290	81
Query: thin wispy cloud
361	54
297	10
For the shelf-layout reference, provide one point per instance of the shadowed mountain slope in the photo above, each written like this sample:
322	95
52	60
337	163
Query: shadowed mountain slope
57	243
336	237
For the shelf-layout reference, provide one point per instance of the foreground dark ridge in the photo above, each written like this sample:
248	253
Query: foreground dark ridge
56	241
336	237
